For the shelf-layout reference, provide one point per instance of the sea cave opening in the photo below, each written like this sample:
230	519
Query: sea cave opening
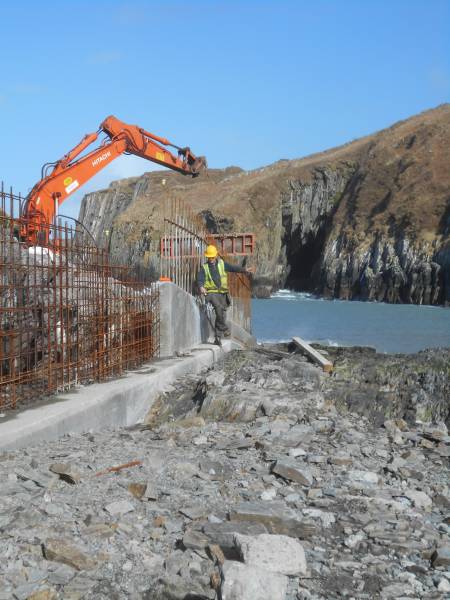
304	261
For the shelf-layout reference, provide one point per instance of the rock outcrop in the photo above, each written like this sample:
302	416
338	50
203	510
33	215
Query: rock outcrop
368	220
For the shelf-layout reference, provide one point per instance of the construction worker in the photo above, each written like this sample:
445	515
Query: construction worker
212	281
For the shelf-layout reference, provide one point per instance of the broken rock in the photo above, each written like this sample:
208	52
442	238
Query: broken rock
119	508
419	499
222	534
441	557
274	553
367	477
294	472
47	594
276	517
64	552
137	489
66	472
444	585
195	540
241	582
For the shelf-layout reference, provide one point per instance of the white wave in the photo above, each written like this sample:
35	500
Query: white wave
330	343
291	295
273	341
284	294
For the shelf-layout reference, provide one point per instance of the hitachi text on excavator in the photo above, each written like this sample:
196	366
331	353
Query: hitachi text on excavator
61	178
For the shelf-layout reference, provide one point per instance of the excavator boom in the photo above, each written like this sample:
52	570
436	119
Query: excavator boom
72	171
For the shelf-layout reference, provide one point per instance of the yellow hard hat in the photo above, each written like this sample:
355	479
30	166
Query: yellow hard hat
211	252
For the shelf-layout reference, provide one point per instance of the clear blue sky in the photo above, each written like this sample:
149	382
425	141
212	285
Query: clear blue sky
245	83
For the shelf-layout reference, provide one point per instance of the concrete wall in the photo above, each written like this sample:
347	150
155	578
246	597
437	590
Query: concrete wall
184	324
180	320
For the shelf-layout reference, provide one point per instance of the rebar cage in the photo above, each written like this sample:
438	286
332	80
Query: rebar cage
67	315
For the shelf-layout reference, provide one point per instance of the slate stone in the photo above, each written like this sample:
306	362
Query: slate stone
66	472
269	494
294	472
39	478
444	586
64	552
298	434
366	477
215	470
137	489
419	499
239	444
274	553
241	582
222	534
120	507
45	594
195	540
276	517
190	422
341	459
194	512
61	575
441	556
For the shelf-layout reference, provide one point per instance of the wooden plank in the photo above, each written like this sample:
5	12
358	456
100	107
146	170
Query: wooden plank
326	365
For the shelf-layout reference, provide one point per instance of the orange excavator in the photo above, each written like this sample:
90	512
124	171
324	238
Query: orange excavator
63	177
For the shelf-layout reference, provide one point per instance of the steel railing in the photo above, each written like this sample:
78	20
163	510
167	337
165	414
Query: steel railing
183	244
182	248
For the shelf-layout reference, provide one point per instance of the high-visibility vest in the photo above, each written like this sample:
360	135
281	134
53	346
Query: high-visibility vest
209	284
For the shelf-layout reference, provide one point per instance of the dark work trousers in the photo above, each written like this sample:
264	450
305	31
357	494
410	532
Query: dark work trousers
220	306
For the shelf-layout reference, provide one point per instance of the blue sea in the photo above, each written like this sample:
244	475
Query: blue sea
398	328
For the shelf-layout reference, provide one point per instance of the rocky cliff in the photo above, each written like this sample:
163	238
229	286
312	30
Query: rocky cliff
368	220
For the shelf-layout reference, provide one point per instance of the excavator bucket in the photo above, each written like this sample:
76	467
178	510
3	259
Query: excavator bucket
199	165
196	164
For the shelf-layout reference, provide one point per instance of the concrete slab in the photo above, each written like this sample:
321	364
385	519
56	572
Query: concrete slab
117	403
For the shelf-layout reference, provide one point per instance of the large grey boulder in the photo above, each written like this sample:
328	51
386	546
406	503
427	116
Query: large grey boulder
274	553
244	582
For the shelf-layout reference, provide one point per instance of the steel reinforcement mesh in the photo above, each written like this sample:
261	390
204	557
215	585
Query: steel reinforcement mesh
68	316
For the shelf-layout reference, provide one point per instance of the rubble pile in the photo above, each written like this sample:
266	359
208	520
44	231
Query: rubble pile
250	483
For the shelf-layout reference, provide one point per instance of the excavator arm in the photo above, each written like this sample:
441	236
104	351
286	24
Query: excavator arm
72	171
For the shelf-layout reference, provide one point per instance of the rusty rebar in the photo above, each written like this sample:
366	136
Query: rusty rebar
182	247
67	315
